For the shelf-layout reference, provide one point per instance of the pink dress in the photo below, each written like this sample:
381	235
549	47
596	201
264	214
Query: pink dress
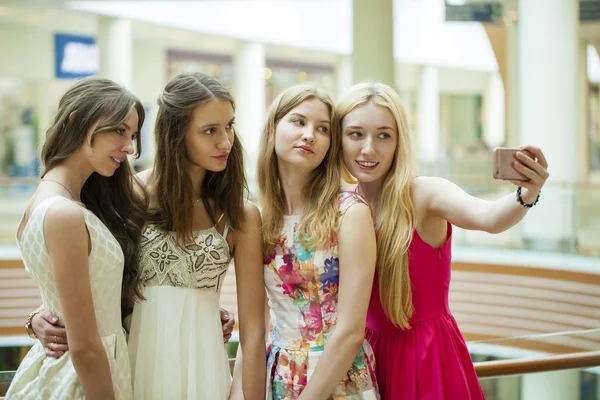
429	361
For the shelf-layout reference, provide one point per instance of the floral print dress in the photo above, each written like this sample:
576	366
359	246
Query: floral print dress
302	287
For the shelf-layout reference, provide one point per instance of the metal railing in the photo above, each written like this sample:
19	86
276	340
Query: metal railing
494	369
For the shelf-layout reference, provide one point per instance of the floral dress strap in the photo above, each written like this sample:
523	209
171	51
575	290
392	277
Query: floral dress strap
347	200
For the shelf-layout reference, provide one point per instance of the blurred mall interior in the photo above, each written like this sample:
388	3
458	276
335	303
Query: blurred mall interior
473	75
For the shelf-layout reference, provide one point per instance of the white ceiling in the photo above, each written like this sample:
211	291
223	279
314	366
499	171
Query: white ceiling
311	29
420	33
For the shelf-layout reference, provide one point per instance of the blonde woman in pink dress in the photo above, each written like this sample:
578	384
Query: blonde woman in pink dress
419	349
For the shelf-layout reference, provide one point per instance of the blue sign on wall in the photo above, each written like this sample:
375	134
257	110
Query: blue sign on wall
76	56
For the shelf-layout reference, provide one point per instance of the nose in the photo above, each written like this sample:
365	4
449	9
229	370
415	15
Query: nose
308	135
224	143
367	148
128	148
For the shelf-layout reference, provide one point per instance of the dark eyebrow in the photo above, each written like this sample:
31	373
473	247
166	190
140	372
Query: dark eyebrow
213	124
129	128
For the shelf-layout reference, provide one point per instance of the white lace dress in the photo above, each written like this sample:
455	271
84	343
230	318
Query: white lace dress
176	339
41	377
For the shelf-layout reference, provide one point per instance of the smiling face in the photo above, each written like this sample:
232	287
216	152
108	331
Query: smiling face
369	140
110	149
209	135
302	136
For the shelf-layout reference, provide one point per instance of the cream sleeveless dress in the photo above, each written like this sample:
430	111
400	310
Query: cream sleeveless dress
42	377
176	339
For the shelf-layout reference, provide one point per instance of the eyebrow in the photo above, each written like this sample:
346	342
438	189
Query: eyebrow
213	124
303	116
130	129
360	127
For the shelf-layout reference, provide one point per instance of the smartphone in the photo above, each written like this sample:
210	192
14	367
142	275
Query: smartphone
503	164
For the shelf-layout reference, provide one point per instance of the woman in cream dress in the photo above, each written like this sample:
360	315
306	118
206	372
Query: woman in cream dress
198	221
77	243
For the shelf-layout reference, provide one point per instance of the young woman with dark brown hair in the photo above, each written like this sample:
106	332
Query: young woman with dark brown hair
198	221
79	239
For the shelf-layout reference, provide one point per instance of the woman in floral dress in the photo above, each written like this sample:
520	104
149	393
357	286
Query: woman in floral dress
319	256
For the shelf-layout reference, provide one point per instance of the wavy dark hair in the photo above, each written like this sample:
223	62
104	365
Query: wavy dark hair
102	104
224	190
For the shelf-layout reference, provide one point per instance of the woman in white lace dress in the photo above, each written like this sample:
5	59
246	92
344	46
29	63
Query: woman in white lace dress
78	242
198	221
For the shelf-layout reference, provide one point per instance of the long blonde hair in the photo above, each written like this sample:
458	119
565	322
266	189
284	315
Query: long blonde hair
321	190
395	219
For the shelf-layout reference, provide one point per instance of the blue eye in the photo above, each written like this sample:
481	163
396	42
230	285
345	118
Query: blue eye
384	136
324	129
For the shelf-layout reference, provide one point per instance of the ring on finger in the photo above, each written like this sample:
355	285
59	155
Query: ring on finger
55	339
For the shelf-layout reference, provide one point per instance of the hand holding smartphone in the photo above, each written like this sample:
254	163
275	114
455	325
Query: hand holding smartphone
503	164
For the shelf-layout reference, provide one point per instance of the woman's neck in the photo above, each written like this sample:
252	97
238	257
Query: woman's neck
70	174
371	192
293	181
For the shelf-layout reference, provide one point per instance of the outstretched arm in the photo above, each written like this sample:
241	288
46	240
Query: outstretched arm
448	201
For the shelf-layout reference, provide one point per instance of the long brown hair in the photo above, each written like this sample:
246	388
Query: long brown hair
171	182
113	199
395	219
323	187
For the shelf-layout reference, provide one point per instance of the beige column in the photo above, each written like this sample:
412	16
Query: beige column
116	50
549	116
373	33
250	96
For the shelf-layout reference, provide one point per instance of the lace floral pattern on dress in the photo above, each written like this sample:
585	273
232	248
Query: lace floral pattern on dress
202	264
